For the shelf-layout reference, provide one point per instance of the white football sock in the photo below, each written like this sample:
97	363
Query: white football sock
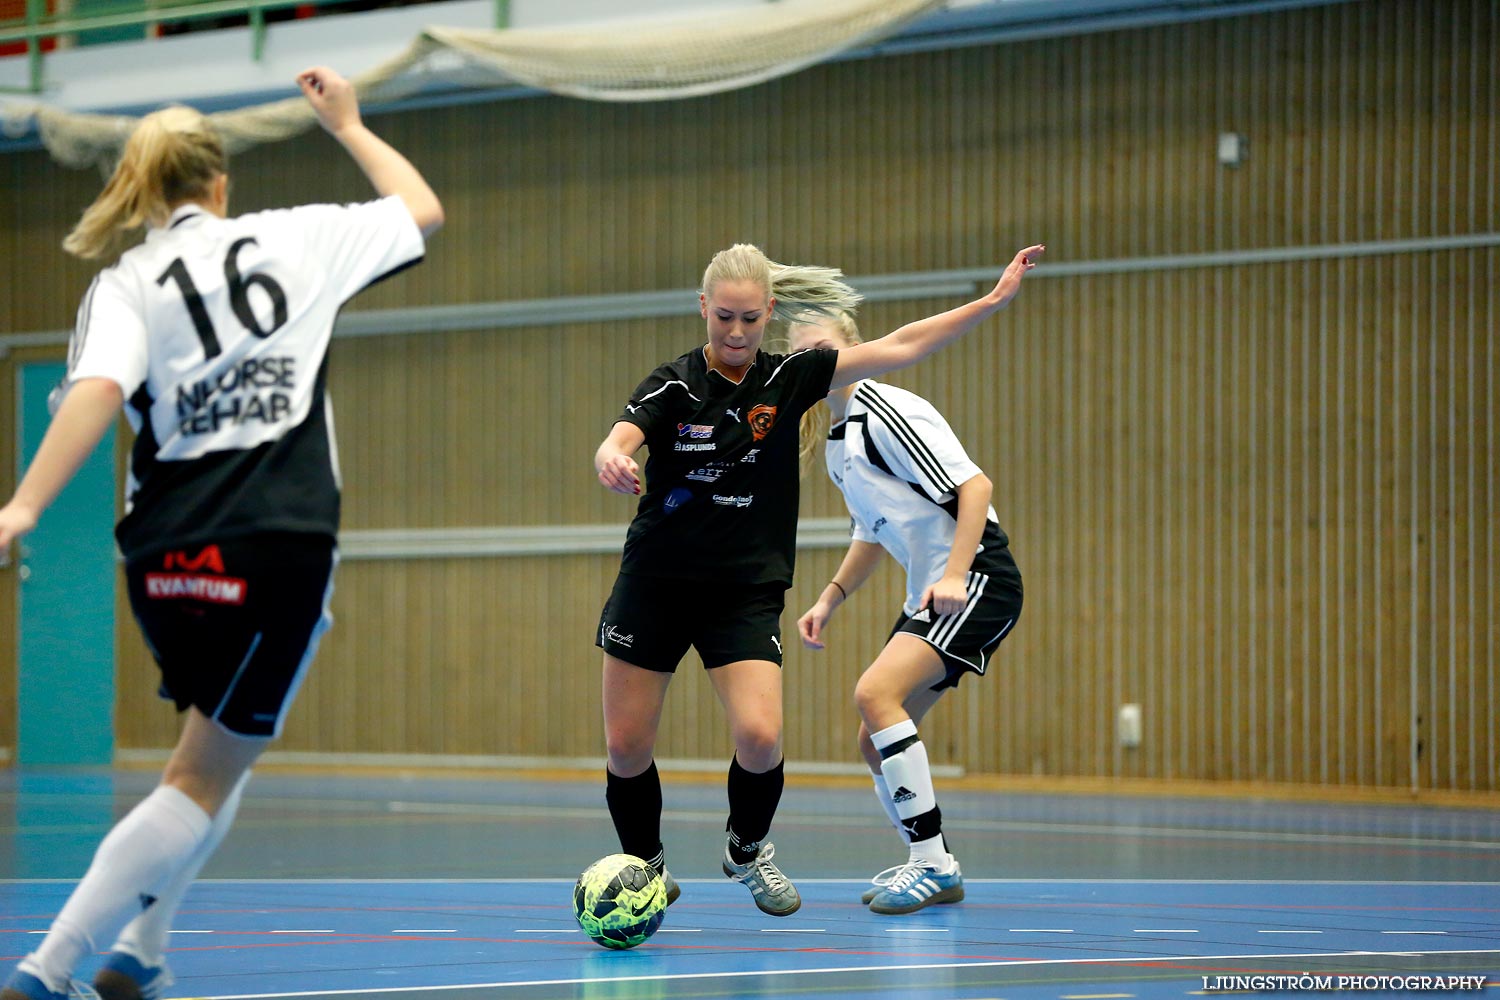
132	866
145	937
908	777
883	793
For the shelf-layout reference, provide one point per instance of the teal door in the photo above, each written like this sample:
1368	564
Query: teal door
66	650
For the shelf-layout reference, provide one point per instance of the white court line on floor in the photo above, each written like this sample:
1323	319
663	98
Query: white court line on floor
175	931
992	826
1019	963
1434	933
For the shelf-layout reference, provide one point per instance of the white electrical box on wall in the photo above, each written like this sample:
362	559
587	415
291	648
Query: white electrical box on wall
1233	148
1128	726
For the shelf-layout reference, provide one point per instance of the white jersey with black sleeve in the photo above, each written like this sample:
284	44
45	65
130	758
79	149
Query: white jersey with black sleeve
217	332
899	466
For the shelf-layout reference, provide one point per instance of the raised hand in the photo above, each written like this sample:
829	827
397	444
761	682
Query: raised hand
1010	282
331	96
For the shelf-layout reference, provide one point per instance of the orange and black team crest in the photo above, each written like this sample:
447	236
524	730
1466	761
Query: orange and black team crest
761	419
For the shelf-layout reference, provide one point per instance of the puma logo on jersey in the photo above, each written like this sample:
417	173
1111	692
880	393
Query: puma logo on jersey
735	413
778	643
903	794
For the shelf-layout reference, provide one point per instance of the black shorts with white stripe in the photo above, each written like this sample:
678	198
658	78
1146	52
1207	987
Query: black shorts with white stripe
968	638
234	625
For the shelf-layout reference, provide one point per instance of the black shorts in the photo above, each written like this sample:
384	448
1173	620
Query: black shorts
651	621
968	638
233	626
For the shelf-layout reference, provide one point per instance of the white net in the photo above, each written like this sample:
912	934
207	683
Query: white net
659	60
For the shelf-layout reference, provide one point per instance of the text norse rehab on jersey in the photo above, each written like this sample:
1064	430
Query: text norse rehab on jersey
202	408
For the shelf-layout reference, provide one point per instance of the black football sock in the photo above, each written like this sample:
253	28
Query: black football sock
753	799
635	806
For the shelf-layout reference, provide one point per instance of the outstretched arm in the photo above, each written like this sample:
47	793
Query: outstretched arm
88	409
337	107
614	460
914	341
859	562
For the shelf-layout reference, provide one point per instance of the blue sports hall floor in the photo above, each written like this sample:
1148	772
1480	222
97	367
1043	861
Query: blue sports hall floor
459	887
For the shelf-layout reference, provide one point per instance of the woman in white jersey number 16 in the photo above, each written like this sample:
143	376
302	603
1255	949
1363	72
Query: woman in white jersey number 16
213	334
911	491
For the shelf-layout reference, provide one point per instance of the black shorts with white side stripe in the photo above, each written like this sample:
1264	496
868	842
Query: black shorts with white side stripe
234	625
968	638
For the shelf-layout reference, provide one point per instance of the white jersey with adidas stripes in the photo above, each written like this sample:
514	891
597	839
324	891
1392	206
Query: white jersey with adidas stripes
217	332
899	466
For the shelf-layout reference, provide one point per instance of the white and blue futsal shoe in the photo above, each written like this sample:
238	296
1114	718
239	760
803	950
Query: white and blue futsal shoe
917	885
124	977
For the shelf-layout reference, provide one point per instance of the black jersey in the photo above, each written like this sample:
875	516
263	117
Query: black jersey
722	474
216	331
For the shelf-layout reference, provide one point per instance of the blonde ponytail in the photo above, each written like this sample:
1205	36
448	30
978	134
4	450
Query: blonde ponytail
801	291
813	427
172	156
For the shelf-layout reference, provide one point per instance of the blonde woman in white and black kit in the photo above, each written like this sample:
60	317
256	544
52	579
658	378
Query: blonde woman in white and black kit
213	334
709	555
911	491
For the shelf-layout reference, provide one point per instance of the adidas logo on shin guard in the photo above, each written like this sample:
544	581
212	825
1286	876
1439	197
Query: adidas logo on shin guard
903	794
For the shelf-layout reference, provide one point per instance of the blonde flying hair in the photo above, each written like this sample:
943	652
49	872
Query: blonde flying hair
814	425
801	291
172	156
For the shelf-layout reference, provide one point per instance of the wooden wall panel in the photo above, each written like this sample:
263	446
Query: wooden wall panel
1259	499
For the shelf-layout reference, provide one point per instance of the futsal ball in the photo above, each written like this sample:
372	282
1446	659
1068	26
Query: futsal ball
619	901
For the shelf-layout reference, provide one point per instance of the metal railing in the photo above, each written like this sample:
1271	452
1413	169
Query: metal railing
38	25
